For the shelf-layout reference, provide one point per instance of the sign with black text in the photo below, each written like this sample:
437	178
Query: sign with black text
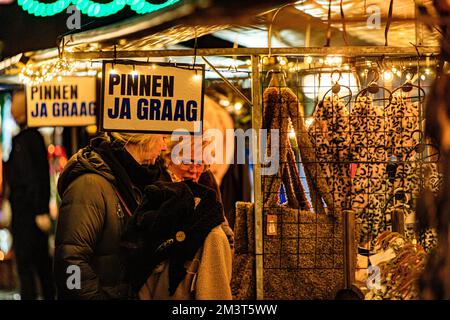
69	101
148	97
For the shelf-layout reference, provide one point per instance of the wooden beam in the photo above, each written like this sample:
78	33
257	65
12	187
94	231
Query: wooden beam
350	51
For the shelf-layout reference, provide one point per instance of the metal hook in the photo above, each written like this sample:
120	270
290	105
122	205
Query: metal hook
61	48
376	75
408	86
114	57
275	71
339	72
417	49
421	135
336	86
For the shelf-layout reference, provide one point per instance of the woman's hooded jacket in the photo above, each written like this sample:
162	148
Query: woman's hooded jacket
91	219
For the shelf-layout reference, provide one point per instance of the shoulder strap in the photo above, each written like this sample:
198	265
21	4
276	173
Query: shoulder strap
122	202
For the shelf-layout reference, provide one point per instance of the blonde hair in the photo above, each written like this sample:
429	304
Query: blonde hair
136	138
141	142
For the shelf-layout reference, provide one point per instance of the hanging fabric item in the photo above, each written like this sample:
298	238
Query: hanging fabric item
403	122
368	153
329	133
319	188
403	126
412	174
277	98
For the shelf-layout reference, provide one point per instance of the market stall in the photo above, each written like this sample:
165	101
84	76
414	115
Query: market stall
336	217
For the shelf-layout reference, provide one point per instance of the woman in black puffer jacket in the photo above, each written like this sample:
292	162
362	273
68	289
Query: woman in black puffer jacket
100	187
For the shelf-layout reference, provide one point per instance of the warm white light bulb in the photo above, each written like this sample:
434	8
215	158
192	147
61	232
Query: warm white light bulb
135	73
292	134
197	77
238	106
308	60
309	122
112	71
337	60
224	103
388	75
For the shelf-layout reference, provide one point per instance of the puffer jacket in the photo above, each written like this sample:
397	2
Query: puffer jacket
90	223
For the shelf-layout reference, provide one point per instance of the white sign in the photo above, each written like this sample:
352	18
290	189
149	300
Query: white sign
67	102
146	97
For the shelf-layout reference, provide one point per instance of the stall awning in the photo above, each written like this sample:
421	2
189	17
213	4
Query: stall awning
179	23
246	23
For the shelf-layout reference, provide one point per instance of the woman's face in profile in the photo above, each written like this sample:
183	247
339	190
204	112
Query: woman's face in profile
153	150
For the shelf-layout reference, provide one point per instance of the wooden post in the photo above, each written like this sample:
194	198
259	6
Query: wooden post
256	125
398	222
349	248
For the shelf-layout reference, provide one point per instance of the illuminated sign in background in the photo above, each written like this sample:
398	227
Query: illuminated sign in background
89	7
63	101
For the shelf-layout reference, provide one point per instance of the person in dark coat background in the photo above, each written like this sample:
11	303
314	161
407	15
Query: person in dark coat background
100	188
28	179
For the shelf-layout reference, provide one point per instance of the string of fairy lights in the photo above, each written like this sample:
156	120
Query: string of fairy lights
38	73
91	8
33	74
408	71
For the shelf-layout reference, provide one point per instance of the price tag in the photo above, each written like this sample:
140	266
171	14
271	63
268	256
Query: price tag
272	225
352	169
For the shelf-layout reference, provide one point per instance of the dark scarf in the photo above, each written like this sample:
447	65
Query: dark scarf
128	173
151	235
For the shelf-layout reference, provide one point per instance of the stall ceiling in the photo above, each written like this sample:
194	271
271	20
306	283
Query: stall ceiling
402	31
296	24
245	23
305	23
182	23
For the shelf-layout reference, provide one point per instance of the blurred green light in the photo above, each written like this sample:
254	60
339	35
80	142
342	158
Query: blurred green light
90	7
